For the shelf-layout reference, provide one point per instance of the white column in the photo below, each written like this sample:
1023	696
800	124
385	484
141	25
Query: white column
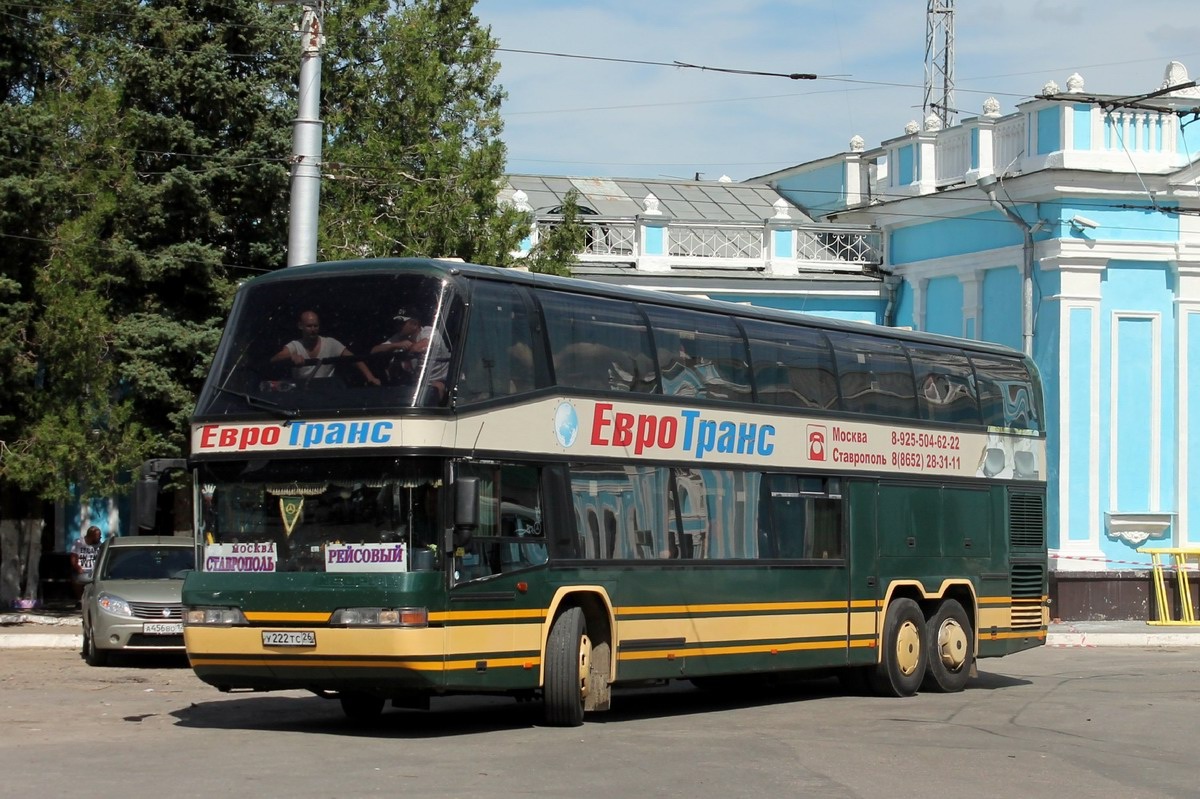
972	309
1080	288
1187	313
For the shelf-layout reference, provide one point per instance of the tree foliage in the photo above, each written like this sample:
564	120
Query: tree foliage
143	171
144	158
560	242
414	158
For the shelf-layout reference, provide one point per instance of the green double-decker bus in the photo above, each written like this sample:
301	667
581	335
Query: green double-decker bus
419	477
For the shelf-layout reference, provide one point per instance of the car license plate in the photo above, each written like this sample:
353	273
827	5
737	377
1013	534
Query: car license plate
163	628
289	638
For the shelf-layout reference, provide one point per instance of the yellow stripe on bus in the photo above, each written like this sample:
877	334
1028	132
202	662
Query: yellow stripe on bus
1008	600
748	607
715	651
325	662
487	615
279	617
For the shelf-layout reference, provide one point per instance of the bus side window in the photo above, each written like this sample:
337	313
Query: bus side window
700	354
793	366
1006	393
945	385
800	518
875	376
597	343
499	355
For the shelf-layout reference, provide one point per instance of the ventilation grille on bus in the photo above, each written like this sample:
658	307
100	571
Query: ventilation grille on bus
1028	588
1027	520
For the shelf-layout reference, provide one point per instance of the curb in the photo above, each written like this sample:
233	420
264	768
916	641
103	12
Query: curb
41	641
1093	640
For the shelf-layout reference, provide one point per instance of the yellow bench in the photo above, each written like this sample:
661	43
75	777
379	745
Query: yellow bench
1179	561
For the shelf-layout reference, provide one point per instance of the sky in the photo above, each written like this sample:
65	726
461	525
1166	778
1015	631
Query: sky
588	117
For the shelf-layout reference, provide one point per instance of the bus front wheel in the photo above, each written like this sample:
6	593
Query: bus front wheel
950	642
904	653
568	669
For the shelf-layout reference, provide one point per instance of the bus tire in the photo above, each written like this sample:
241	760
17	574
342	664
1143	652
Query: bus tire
361	708
951	646
568	667
902	659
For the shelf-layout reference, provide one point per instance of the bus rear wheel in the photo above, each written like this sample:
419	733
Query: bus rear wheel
951	649
568	669
903	657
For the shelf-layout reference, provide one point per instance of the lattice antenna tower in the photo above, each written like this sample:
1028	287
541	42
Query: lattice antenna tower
939	61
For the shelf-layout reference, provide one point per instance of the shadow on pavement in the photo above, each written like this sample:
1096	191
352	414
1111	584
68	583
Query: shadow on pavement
469	715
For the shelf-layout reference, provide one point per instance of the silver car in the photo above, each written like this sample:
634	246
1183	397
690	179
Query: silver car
133	602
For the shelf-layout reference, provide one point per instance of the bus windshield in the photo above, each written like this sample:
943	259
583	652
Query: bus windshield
336	343
373	514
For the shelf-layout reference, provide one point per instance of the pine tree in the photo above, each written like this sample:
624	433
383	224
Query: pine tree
145	172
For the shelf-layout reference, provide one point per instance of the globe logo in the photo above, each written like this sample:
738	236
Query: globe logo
566	424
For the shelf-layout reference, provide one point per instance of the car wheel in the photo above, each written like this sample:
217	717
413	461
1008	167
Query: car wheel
91	653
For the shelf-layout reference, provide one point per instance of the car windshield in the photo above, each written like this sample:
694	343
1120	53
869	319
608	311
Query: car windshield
149	563
351	515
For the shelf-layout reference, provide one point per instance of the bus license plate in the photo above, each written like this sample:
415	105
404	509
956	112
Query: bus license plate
289	638
162	628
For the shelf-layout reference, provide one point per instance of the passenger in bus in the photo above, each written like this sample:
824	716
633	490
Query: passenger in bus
413	337
312	346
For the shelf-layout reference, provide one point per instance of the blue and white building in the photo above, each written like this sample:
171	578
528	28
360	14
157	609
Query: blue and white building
1068	227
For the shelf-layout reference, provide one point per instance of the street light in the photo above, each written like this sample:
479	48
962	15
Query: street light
307	134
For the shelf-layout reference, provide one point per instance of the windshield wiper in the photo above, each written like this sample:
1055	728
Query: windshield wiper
261	404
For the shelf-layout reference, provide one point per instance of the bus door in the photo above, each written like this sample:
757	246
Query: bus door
803	532
494	624
862	560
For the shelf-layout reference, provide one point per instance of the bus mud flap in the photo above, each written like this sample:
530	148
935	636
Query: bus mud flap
599	696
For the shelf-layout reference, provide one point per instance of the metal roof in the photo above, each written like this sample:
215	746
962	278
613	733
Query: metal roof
692	200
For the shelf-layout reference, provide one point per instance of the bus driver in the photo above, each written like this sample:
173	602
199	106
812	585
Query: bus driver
312	346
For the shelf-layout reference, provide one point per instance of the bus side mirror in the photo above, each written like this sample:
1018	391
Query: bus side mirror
466	509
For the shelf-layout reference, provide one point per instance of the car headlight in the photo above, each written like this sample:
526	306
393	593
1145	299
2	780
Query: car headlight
227	617
111	603
380	617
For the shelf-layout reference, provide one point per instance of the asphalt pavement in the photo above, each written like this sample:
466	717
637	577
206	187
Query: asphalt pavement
62	629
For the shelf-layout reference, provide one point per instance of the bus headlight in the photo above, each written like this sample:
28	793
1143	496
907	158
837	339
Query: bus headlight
227	617
380	617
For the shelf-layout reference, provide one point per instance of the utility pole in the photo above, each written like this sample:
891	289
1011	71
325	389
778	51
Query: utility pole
307	137
939	61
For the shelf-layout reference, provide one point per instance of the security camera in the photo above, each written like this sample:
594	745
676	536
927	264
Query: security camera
1083	221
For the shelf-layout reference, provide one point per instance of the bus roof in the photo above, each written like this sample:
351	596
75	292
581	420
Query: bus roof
452	268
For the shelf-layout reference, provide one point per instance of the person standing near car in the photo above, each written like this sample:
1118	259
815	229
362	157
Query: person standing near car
83	559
